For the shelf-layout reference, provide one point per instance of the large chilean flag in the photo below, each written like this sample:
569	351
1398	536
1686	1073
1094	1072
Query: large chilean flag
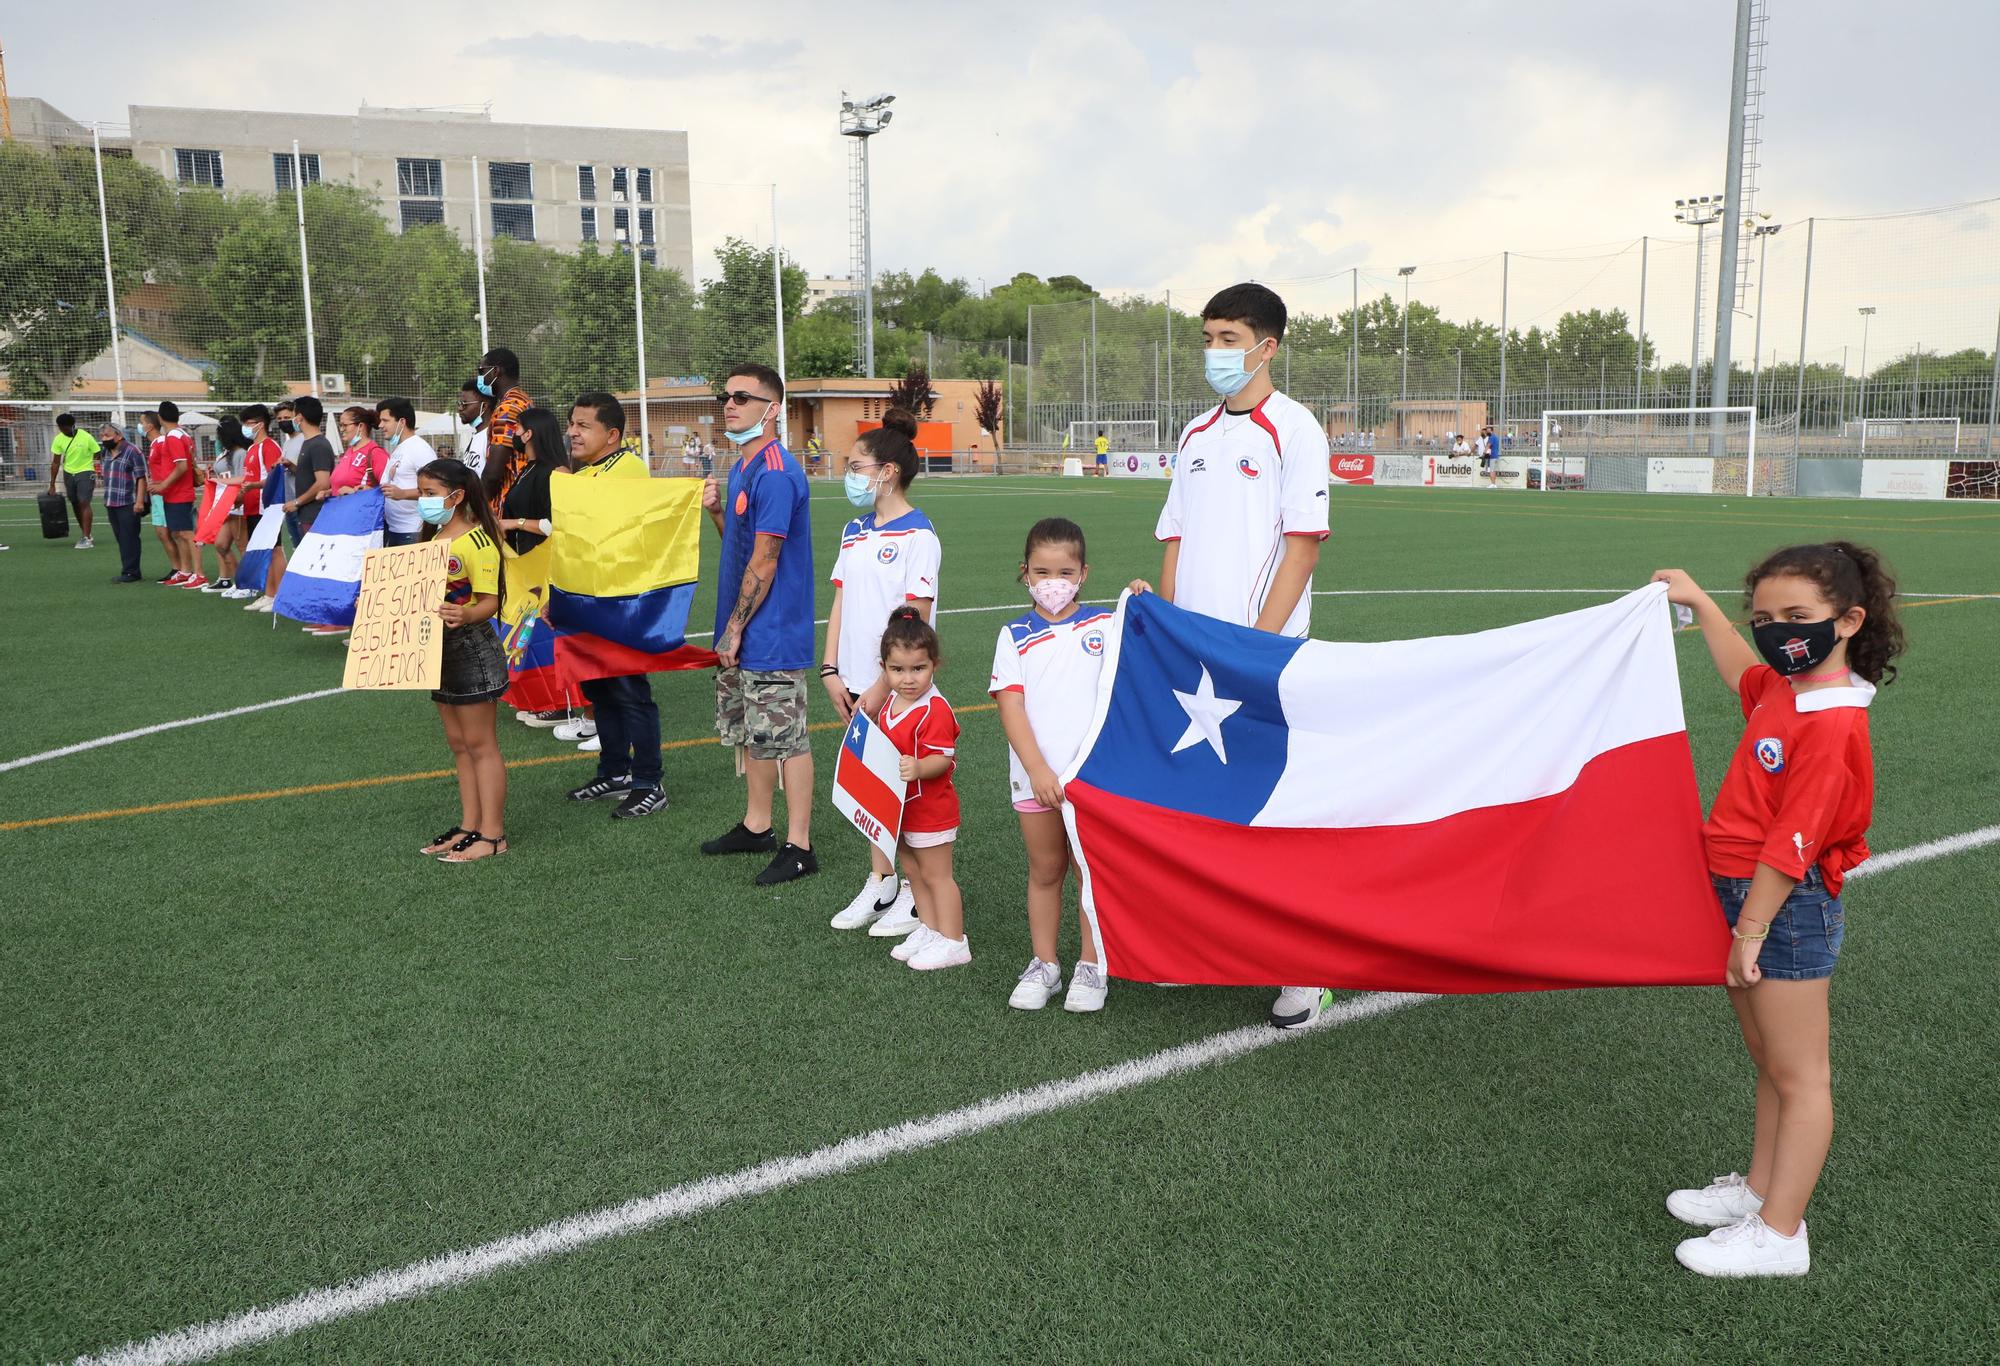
1513	810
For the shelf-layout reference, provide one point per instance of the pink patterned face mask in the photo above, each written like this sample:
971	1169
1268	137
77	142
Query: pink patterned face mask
1053	596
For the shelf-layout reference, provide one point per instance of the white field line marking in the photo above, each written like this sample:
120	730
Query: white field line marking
1923	853
200	1342
80	747
143	731
203	1341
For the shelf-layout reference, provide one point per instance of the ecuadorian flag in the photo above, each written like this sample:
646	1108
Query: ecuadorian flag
608	593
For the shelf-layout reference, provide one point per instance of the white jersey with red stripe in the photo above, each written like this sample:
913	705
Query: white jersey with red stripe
1055	666
880	567
1243	482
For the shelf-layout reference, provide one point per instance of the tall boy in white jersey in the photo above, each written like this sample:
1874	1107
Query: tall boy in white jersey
1247	509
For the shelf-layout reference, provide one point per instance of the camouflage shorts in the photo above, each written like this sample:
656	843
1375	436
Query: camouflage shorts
763	714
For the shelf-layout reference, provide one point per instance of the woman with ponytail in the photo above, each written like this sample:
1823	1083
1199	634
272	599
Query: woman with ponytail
473	673
889	557
1789	823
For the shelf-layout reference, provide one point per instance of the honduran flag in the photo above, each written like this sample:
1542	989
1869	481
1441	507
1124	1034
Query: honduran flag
868	789
323	577
255	569
1511	810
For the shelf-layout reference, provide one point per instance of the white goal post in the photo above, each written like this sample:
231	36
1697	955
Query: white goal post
1925	433
1654	450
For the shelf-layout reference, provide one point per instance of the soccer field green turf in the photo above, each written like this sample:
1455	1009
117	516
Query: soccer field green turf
257	1046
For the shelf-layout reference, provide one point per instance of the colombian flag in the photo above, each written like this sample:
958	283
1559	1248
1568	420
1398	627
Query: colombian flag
608	594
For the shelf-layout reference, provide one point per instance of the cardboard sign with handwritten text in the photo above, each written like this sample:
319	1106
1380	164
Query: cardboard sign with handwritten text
398	637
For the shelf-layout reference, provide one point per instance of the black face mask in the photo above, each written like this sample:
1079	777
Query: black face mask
1792	647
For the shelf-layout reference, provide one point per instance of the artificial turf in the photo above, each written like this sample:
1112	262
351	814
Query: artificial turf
261	1046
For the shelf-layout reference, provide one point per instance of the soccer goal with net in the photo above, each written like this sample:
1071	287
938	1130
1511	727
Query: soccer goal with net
1081	437
1656	450
1904	435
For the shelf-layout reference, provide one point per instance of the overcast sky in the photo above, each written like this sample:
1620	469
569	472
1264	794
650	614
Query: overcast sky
1144	146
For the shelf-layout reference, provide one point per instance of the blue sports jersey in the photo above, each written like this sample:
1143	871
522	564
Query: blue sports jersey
768	496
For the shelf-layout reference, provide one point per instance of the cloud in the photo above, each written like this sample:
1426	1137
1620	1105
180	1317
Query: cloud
634	60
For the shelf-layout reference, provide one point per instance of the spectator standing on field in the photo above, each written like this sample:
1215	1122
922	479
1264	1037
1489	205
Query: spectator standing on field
152	434
396	424
264	458
73	456
473	410
764	624
226	472
361	461
312	474
499	378
173	478
124	495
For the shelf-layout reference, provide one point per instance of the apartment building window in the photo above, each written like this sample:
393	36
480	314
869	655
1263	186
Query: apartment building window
649	256
645	178
420	177
590	225
646	225
419	213
514	220
618	182
198	166
281	168
586	182
510	179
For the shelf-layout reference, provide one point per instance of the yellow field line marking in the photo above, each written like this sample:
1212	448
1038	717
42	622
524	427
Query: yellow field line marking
354	784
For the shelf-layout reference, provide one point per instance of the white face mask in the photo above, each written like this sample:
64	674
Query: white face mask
1054	596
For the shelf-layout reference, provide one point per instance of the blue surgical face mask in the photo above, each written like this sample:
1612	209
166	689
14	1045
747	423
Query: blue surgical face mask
861	489
432	510
745	438
1224	369
484	385
392	441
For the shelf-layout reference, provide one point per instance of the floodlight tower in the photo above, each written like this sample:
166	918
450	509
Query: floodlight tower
1406	272
1697	212
1867	311
862	120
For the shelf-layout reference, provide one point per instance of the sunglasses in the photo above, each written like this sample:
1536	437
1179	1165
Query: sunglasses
742	396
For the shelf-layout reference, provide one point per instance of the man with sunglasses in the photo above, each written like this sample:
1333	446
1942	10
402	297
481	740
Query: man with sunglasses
764	623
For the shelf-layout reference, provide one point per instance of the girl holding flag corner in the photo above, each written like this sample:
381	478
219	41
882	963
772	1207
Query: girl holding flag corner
1788	824
921	725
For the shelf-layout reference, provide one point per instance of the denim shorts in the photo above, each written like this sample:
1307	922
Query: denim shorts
1805	936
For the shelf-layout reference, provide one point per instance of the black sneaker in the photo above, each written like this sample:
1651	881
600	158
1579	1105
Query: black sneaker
641	802
792	862
601	787
544	720
741	840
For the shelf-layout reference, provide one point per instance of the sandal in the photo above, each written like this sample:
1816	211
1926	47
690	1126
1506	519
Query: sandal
445	841
473	837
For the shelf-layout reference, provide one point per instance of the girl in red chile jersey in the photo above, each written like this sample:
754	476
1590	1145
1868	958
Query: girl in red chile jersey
1786	827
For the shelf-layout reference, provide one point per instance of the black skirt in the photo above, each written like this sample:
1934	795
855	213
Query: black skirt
473	668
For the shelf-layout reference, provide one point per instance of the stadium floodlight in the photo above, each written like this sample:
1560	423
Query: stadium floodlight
1697	212
1758	232
862	120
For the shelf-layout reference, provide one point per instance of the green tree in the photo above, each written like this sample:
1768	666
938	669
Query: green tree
53	312
738	323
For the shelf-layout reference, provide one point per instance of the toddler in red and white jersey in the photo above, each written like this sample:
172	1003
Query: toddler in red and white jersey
920	723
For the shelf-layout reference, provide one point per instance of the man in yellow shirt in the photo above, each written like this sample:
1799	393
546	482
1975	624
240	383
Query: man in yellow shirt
73	454
1103	454
628	720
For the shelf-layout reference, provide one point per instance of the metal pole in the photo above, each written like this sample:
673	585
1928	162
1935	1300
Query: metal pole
1639	365
1732	227
778	308
1757	341
479	257
110	286
1091	379
1156	392
1010	399
1993	395
1170	359
1694	342
1500	427
1354	357
1458	389
1403	403
867	271
1917	384
1603	376
1805	302
1862	406
1028	360
305	270
930	353
639	336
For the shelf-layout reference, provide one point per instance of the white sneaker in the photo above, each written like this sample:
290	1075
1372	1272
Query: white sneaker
238	594
900	918
1749	1248
262	603
865	908
942	953
1038	982
592	746
580	729
1086	990
1724	1201
919	937
1297	1006
84	543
